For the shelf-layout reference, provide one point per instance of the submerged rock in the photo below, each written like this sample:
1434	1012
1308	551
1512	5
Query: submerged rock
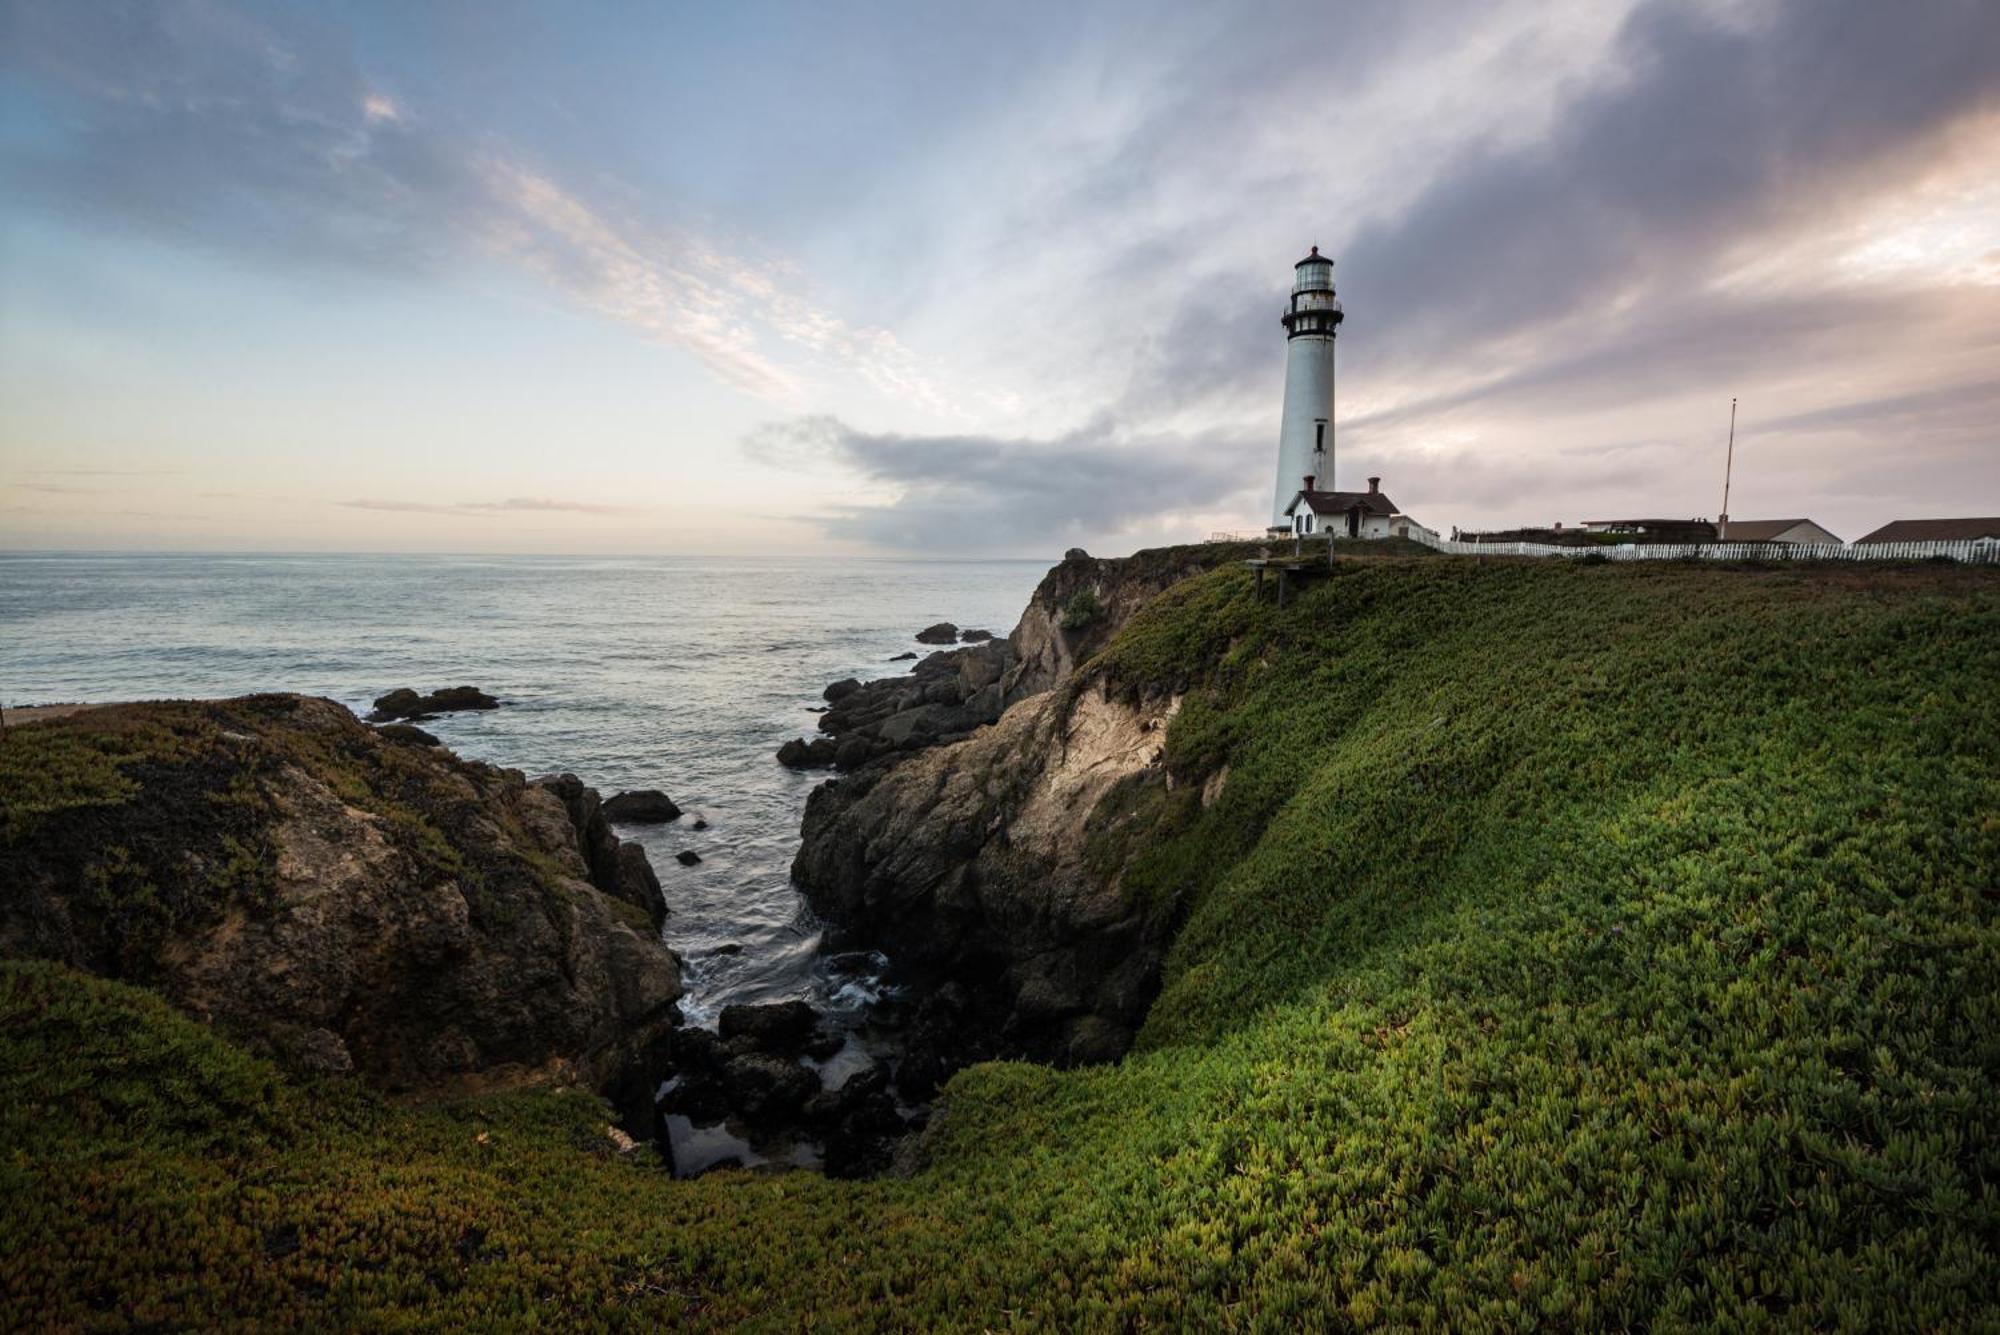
404	703
641	806
687	857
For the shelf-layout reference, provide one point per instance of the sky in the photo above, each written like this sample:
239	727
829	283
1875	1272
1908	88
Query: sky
996	280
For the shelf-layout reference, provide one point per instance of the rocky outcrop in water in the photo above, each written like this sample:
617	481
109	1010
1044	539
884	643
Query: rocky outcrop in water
404	703
348	900
942	633
943	698
643	806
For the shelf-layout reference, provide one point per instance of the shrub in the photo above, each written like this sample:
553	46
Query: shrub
1081	610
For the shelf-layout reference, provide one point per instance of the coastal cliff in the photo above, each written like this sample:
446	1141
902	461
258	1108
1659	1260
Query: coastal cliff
343	897
987	861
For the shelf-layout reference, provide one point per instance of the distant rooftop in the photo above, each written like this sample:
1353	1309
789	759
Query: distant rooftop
1935	530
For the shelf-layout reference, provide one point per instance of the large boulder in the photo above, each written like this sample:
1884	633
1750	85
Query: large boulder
641	806
779	1026
942	633
802	754
766	1089
841	689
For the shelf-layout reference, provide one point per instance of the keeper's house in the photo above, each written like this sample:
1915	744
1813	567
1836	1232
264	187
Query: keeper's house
1348	514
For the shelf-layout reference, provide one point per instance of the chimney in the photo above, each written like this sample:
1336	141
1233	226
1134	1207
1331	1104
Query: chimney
1309	481
1374	485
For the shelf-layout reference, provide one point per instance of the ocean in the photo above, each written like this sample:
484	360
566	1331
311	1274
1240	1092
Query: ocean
678	673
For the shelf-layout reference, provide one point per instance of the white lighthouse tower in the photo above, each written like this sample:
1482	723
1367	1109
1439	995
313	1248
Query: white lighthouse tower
1305	439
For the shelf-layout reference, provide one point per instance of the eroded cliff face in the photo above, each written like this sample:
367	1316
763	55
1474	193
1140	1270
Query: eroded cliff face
351	900
972	866
989	867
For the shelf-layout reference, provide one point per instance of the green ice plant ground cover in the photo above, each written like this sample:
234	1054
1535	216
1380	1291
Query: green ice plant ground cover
1564	945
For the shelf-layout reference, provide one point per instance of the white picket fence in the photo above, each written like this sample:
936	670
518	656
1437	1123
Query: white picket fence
1982	552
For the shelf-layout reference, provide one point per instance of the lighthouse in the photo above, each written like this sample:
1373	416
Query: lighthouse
1305	437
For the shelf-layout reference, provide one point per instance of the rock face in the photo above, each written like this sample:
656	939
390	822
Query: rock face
964	851
969	866
344	899
404	703
644	806
614	866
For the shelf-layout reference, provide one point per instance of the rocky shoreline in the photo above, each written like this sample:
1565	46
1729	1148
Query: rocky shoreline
359	899
966	835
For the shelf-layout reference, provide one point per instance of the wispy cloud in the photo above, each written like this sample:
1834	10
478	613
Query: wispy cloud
261	136
488	509
542	503
104	472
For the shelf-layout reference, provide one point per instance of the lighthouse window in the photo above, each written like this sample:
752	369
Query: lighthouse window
1319	437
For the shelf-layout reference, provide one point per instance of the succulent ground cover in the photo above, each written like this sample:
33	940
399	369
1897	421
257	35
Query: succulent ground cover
1560	945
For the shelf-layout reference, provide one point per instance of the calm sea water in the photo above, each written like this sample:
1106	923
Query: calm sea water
681	673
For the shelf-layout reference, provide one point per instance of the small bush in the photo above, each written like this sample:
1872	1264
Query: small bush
1081	610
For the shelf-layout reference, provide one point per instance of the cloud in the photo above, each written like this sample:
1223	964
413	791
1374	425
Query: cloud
542	504
989	493
105	472
414	508
487	509
262	137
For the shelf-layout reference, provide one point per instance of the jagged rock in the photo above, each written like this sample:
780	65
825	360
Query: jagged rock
404	703
1076	554
840	690
942	633
687	857
638	884
432	921
615	866
974	636
699	1096
779	1026
643	806
768	1089
408	733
